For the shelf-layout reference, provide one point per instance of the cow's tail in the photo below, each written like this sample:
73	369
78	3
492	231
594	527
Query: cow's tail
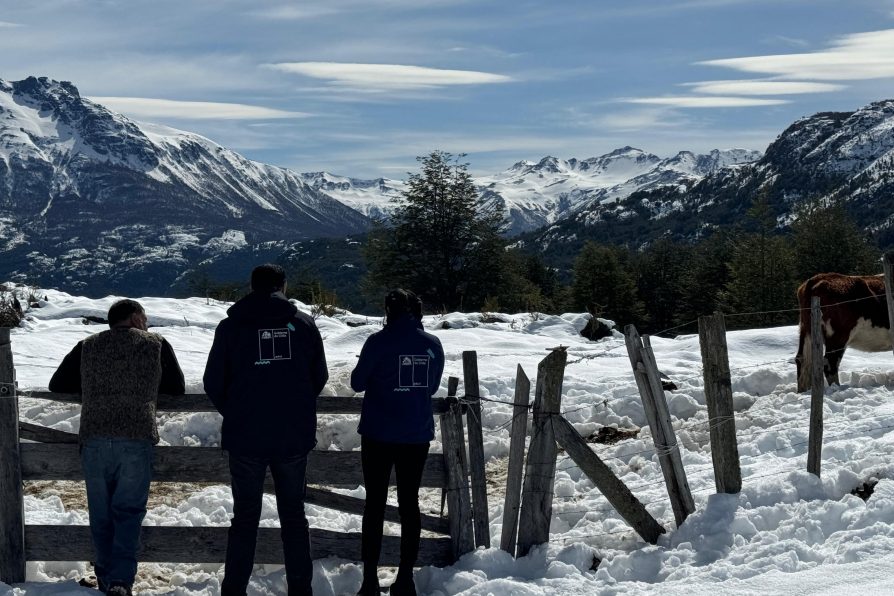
802	358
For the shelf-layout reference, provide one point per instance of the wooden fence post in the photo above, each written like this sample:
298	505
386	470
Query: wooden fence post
540	465
719	398
888	263
459	509
476	450
818	387
12	502
514	477
648	380
606	481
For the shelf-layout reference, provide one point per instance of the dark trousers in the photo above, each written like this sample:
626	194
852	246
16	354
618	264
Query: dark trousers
408	461
248	475
117	473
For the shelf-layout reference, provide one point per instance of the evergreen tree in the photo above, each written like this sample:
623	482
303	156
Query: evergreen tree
659	280
827	239
703	279
440	243
604	284
762	274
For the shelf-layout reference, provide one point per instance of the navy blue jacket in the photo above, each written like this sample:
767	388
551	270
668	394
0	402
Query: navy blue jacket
400	369
264	373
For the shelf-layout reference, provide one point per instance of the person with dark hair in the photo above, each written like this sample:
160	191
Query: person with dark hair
119	374
264	373
399	370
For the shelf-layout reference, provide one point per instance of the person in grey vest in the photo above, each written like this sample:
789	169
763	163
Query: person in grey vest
264	373
119	374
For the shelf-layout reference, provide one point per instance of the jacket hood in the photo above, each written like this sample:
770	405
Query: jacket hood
403	321
260	306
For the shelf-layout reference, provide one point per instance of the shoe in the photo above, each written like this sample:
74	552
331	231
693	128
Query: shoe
403	585
87	583
119	590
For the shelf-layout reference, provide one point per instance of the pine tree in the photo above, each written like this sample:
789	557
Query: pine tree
762	274
826	239
439	243
659	271
604	284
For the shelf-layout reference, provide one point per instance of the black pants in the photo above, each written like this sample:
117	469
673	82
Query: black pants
408	461
248	475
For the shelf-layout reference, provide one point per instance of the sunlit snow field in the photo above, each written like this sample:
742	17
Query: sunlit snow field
787	532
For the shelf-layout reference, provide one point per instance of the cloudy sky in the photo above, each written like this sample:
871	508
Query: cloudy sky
361	87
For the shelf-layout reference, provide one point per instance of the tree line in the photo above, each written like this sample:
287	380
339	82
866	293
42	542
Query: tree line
443	246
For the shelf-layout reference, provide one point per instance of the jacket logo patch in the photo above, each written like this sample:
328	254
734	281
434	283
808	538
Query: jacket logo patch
413	370
274	344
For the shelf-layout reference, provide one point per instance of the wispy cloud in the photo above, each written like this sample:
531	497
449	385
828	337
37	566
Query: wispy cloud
388	77
8	25
789	41
857	56
144	107
762	87
691	101
292	12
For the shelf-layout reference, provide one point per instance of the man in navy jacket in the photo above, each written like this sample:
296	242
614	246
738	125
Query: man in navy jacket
400	369
265	370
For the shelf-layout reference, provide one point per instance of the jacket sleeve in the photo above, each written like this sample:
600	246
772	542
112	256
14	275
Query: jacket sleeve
320	371
172	382
438	368
365	364
217	375
67	378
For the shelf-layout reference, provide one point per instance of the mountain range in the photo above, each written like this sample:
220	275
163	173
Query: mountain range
96	202
92	199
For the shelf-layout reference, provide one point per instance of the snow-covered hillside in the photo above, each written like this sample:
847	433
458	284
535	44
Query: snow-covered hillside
373	198
87	194
787	532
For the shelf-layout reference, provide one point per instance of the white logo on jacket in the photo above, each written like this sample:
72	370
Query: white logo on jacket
412	370
274	344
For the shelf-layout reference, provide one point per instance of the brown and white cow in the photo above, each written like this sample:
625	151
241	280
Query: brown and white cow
855	314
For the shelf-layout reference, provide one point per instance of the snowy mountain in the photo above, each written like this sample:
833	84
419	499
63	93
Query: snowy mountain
846	156
90	197
373	198
536	194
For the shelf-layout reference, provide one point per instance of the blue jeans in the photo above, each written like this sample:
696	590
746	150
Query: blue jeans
248	474
117	474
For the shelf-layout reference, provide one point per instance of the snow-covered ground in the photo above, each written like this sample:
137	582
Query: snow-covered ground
787	532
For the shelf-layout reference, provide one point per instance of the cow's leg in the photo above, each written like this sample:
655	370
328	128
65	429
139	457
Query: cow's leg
833	356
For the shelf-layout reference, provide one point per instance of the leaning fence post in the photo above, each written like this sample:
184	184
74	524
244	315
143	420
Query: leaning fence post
459	509
12	504
719	397
645	371
476	450
888	263
514	476
540	465
614	490
818	386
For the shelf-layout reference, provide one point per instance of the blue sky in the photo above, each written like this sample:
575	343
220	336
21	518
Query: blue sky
361	87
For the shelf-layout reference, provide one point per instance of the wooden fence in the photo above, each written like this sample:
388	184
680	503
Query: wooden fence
458	471
32	452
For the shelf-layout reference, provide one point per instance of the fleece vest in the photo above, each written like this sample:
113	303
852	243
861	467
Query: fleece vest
120	373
